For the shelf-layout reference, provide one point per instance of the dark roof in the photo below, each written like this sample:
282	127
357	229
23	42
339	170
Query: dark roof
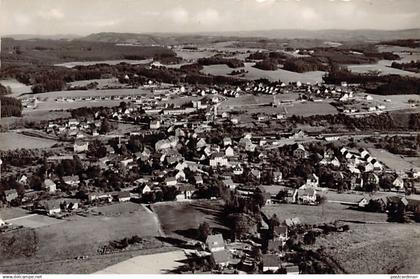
221	256
123	194
271	260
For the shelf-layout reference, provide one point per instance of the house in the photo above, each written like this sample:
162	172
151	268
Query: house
228	183
123	196
229	152
271	262
10	195
363	202
280	233
227	141
277	176
292	269
79	147
274	246
185	192
291	222
218	159
198	179
170	181
222	258
51	207
154	124
238	170
180	175
215	243
356	182
312	181
307	196
256	173
398	183
23	179
143	189
49	185
372	178
300	152
72	180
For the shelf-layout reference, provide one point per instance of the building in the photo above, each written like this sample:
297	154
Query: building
185	192
79	147
300	152
72	180
215	243
10	195
271	262
170	181
49	185
218	159
154	124
229	152
123	196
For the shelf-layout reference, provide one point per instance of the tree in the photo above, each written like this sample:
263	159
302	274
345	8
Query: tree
204	230
35	182
309	238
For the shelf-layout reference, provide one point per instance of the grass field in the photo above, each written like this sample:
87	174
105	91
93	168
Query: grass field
181	219
109	62
254	73
35	221
392	161
375	248
16	87
12	140
12	212
78	236
329	212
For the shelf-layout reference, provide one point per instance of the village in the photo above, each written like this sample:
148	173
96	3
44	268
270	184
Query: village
189	144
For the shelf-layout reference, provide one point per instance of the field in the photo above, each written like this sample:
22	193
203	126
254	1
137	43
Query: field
254	73
13	140
375	248
148	264
12	212
109	62
35	221
181	219
329	212
252	104
392	161
16	87
78	236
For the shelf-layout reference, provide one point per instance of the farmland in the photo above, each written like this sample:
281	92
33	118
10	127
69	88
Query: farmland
328	212
181	218
277	75
73	236
375	248
392	161
13	140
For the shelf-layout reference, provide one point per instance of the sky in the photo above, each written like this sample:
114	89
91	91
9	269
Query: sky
82	17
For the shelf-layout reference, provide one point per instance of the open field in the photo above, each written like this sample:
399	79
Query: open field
383	66
148	264
13	140
375	248
254	73
392	161
78	236
109	62
328	212
181	218
16	87
35	221
12	212
252	104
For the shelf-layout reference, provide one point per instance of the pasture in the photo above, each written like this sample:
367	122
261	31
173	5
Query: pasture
13	140
326	213
374	248
277	75
35	221
392	161
109	62
181	219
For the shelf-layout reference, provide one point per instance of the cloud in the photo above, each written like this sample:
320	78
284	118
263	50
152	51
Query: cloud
22	19
51	14
207	17
179	15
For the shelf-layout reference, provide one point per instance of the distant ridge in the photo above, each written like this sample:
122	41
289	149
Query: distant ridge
333	35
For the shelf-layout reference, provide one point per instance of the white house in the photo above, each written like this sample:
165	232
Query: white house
398	183
80	147
218	159
229	152
49	185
